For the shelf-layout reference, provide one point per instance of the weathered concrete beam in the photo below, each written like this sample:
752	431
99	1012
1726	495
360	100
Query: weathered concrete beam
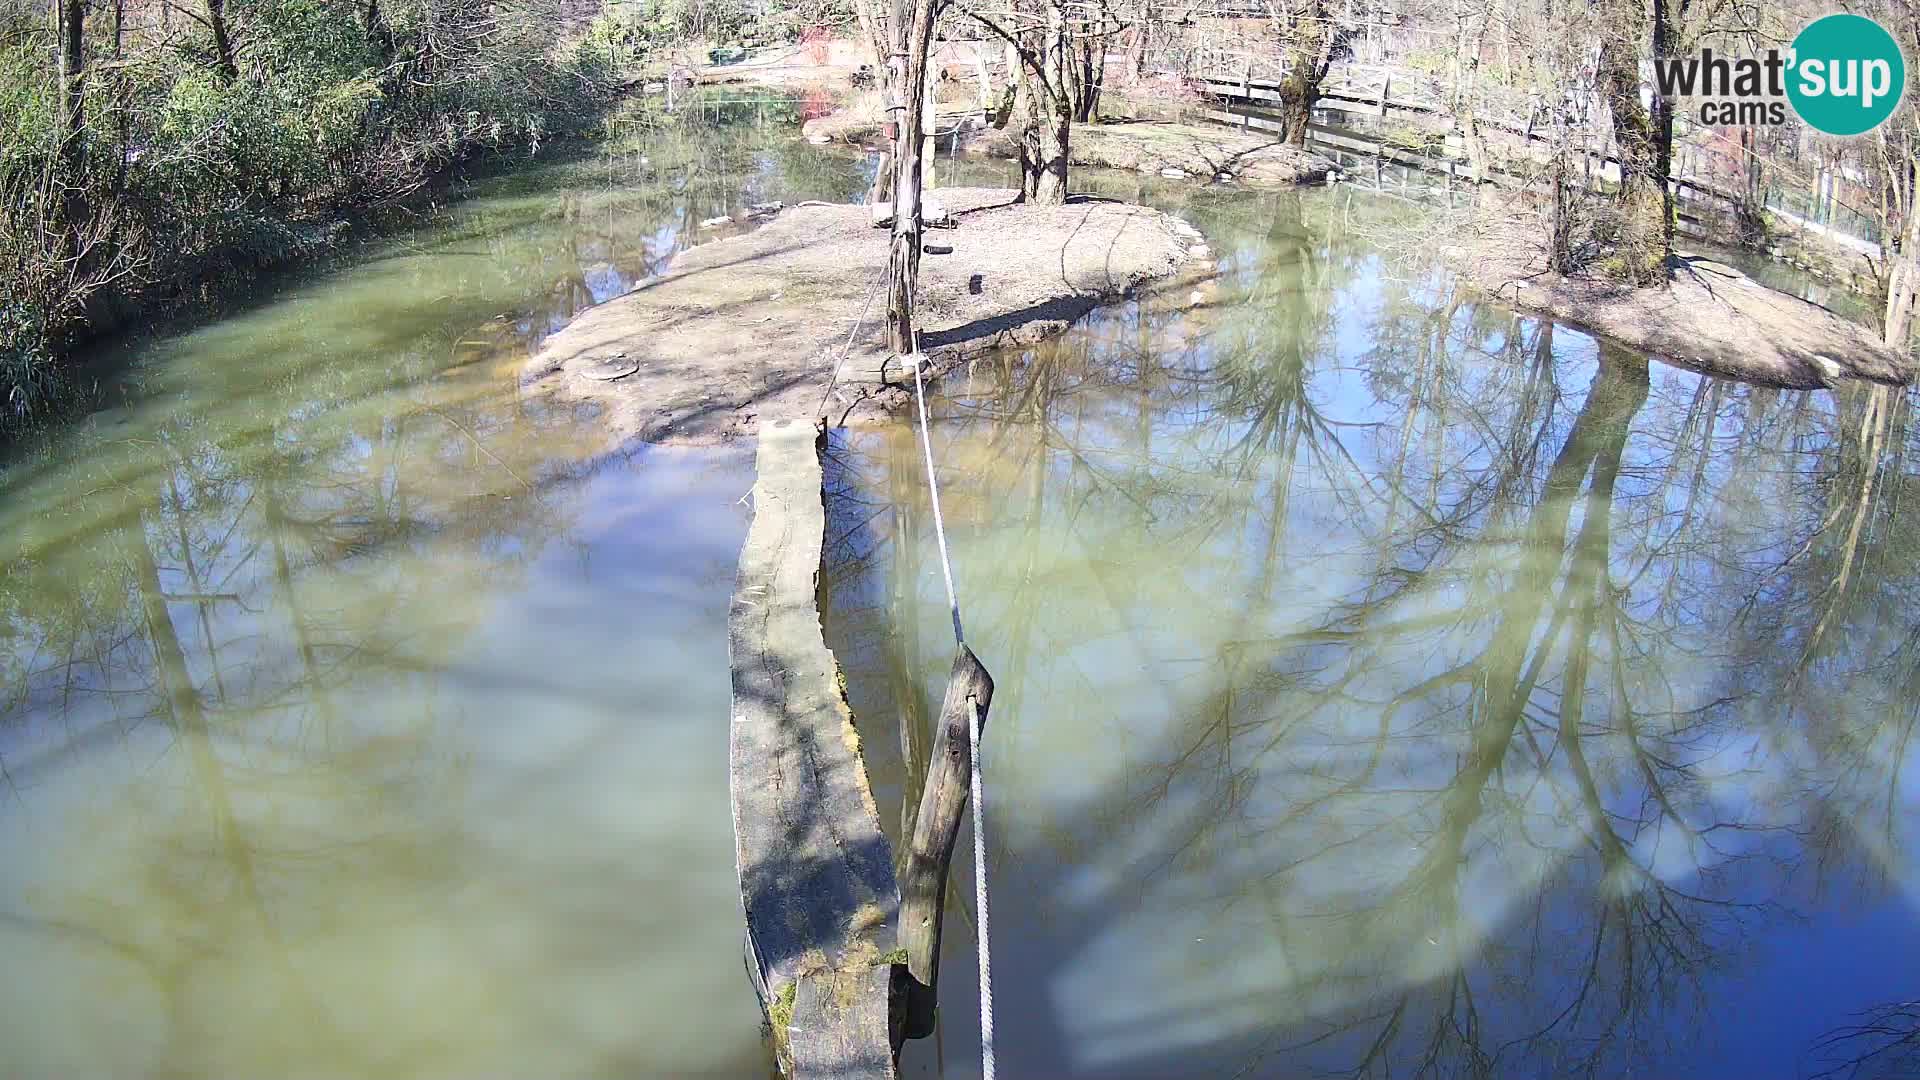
816	873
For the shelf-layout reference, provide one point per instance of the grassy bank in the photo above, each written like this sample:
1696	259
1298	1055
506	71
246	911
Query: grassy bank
181	146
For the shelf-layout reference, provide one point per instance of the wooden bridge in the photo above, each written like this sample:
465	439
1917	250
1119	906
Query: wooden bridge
1371	93
1379	92
1350	88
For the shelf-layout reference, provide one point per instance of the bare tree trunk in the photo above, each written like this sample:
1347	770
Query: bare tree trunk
223	58
1054	134
929	110
1046	118
120	90
72	15
373	23
908	77
1560	254
870	33
1088	68
68	197
1053	114
1027	94
882	192
1297	98
1470	27
1086	104
1903	279
1044	75
1644	139
1137	47
1750	217
1309	54
1027	141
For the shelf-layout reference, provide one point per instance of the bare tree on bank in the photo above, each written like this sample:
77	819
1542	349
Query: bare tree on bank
71	16
1312	37
1644	136
224	62
873	33
70	19
1899	150
1903	277
1057	52
1087	62
1057	78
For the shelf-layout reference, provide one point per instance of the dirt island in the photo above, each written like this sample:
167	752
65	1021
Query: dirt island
1708	317
1202	152
783	320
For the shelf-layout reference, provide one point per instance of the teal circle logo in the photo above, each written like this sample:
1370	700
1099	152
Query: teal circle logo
1846	75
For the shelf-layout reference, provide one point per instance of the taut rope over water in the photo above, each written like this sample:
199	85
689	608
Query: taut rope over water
982	949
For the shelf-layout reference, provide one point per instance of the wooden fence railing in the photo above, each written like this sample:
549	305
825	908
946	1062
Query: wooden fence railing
1381	91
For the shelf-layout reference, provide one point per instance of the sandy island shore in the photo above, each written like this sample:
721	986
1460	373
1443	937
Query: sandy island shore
1200	152
1711	317
751	328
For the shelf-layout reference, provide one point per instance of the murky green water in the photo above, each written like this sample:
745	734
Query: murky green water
1386	683
1390	686
362	719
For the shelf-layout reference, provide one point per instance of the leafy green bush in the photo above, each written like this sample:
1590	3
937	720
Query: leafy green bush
325	107
29	384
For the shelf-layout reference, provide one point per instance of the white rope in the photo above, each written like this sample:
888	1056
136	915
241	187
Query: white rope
981	938
933	488
980	896
834	379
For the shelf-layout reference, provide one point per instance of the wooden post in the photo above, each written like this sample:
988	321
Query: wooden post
943	801
928	114
1246	96
1386	87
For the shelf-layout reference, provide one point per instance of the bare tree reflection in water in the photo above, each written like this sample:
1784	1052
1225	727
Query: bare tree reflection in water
1404	688
252	763
271	805
1882	1042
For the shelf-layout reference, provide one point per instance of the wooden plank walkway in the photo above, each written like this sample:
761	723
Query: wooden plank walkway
816	873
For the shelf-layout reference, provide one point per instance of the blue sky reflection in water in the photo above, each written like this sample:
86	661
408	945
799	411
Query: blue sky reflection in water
1390	686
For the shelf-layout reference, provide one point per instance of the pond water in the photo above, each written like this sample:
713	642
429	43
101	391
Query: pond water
348	728
1385	681
1391	686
